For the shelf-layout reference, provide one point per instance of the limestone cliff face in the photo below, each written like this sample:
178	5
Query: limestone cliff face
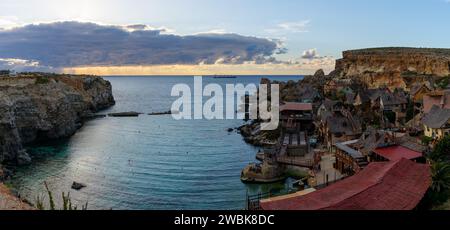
44	108
394	67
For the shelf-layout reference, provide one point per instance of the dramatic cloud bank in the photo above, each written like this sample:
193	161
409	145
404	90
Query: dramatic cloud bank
72	44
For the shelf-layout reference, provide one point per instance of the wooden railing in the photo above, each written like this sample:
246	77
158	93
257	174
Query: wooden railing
253	201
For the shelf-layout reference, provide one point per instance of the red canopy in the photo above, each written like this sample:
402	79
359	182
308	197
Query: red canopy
395	153
393	185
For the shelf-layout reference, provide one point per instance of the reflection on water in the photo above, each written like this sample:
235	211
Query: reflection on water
147	162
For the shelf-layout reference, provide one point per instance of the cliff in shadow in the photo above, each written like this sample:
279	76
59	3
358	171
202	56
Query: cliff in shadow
38	107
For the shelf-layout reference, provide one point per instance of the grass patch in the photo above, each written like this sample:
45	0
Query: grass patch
296	173
42	80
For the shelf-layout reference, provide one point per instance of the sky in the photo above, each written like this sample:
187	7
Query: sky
209	36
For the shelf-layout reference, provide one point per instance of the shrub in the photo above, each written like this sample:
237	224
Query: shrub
410	111
426	140
443	83
439	191
441	151
42	80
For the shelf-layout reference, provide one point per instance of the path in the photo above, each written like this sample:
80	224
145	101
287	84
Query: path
326	166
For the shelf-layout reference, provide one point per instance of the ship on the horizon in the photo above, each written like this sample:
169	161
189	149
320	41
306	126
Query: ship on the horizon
224	76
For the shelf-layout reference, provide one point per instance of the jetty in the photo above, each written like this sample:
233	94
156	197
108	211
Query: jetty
291	150
125	114
169	112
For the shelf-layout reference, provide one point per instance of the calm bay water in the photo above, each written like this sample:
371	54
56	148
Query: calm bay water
148	162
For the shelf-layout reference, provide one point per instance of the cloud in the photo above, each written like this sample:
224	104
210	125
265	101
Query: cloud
72	44
214	31
21	65
7	22
310	54
291	27
294	68
297	27
326	63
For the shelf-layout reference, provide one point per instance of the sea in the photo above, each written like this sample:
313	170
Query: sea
148	162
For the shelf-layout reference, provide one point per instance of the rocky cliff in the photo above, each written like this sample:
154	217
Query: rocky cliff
394	67
41	107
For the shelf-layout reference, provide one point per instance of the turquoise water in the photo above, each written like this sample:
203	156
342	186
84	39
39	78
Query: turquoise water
147	162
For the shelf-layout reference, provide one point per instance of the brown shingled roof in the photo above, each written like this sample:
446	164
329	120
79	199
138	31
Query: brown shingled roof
437	117
294	106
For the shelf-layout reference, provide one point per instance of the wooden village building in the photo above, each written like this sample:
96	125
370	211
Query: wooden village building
395	104
349	160
337	85
337	124
306	93
374	146
437	123
366	99
297	123
297	116
440	98
418	91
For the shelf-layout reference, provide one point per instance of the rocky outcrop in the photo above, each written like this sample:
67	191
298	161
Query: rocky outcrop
253	134
394	67
44	107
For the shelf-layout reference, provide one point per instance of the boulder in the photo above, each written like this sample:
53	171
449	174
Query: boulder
319	73
23	158
78	186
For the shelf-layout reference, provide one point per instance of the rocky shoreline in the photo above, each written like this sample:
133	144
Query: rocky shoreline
37	107
10	202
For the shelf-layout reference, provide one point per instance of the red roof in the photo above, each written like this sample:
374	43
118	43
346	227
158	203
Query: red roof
392	185
395	153
293	106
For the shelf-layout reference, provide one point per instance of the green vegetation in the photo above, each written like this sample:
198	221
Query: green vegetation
337	96
409	73
444	206
384	50
5	73
42	80
443	83
439	191
441	151
390	116
410	111
67	202
297	174
426	140
273	134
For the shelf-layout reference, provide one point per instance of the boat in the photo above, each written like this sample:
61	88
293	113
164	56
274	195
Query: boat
224	76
